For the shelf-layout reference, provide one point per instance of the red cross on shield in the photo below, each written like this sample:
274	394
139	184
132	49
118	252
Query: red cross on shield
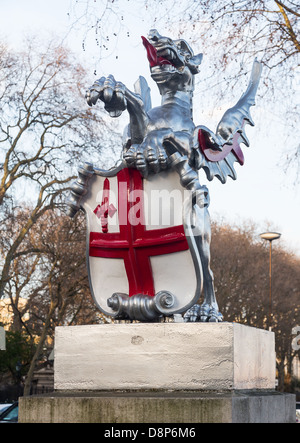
137	239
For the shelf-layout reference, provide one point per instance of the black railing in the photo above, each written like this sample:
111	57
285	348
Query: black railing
10	394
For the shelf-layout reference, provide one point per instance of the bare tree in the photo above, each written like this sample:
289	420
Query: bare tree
45	130
268	29
52	279
238	263
230	33
62	295
241	269
48	286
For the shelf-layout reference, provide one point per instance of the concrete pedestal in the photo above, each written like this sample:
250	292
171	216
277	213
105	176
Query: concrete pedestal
178	356
162	373
158	407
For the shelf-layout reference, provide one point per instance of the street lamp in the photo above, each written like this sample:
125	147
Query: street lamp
270	236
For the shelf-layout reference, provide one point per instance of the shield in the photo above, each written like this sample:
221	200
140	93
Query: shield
142	259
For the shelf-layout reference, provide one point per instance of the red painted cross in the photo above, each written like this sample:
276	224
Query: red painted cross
104	210
134	243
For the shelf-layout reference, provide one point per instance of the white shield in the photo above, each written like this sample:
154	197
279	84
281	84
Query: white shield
141	254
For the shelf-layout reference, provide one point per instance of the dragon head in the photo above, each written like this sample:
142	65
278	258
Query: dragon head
170	59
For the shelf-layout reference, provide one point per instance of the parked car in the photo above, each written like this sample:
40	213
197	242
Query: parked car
10	415
4	406
298	412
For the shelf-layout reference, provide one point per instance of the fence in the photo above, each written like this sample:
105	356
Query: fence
10	394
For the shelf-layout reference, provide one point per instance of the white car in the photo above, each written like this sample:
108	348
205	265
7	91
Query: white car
10	415
4	406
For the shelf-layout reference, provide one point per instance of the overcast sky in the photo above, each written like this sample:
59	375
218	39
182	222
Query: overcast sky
262	192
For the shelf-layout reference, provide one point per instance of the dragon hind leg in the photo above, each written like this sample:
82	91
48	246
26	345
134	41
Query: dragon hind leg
208	311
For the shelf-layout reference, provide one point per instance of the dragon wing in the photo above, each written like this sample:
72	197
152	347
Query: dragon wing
216	153
141	88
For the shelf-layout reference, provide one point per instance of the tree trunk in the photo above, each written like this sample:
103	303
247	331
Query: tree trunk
39	348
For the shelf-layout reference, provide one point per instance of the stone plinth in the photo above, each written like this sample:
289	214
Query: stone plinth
158	407
162	373
164	356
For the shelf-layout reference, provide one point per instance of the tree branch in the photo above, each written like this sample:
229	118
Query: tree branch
288	25
287	8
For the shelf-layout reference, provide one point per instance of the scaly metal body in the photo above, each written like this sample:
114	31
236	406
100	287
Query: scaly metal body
166	138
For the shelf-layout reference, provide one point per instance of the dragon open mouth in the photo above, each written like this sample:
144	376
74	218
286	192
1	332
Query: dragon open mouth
153	57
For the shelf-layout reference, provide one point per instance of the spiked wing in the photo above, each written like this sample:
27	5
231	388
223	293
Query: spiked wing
218	152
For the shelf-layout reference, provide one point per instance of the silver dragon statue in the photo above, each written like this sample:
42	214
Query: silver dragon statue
158	138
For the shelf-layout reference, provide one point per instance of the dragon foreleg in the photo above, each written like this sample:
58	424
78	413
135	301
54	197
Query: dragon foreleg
116	98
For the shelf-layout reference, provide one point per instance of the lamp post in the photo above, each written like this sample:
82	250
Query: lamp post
270	236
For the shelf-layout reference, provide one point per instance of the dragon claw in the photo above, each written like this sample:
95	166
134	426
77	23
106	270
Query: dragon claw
203	313
141	164
147	158
130	156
